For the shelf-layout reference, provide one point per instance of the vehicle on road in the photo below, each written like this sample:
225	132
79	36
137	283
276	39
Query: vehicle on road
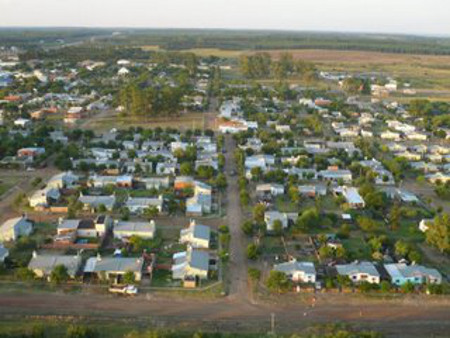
129	290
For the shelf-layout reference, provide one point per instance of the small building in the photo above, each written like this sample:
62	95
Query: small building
298	272
125	230
196	235
113	268
14	228
401	273
359	272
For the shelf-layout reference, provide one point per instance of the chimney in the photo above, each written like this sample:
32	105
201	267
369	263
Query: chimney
99	257
35	254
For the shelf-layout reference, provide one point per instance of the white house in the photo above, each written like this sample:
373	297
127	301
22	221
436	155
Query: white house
196	235
299	272
14	228
359	272
124	230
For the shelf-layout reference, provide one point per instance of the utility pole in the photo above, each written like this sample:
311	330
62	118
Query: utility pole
272	323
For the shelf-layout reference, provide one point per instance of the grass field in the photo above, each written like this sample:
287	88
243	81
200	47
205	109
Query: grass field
422	71
183	122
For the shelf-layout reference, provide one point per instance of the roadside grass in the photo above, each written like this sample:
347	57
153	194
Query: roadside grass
7	183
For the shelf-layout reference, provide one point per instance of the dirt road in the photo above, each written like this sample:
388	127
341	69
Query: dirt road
238	261
407	318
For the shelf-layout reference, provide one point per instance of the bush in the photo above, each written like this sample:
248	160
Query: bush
59	274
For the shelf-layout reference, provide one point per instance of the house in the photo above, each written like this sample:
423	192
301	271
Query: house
163	168
30	152
63	180
4	253
359	272
113	268
155	182
70	229
196	235
201	202
272	189
124	230
259	161
351	195
400	273
191	263
183	182
123	181
44	197
73	114
425	224
282	128
312	190
14	228
23	123
137	205
123	71
438	177
390	135
271	216
335	174
43	265
94	202
298	272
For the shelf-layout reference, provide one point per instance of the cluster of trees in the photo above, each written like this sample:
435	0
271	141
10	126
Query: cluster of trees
150	101
261	66
438	233
354	85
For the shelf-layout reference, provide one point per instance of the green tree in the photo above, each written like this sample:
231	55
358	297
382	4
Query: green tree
278	282
258	212
247	227
438	234
59	274
186	169
252	251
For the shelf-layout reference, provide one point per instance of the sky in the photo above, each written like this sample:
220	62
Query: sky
424	17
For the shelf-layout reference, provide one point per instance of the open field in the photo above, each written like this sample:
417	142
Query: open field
422	71
105	122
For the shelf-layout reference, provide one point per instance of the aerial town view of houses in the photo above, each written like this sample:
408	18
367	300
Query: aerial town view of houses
225	190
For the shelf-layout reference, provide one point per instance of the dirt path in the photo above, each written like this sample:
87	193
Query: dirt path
238	261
